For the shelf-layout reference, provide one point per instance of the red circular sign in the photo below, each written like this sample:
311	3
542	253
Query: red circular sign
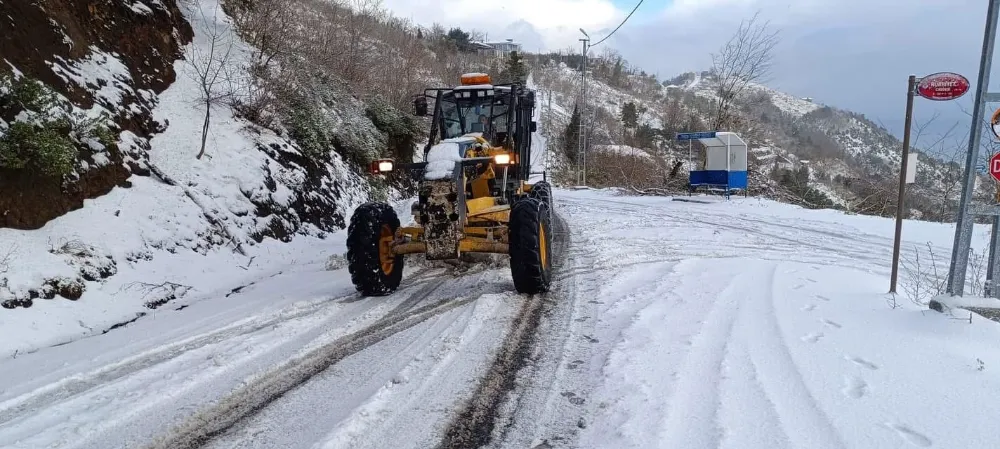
995	167
942	86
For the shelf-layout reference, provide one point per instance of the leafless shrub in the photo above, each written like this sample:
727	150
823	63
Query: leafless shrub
922	280
977	272
6	258
161	293
891	301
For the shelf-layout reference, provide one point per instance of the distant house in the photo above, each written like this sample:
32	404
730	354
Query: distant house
499	50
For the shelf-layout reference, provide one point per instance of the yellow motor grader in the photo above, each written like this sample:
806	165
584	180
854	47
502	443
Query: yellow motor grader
473	196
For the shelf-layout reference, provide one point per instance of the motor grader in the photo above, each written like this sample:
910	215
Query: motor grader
473	194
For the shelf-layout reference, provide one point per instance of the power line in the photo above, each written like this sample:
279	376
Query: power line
619	25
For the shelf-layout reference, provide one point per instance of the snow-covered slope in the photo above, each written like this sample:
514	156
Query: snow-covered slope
189	225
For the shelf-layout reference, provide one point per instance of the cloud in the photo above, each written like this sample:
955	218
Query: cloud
853	54
554	23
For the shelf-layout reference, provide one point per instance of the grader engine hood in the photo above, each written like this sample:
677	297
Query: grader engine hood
441	198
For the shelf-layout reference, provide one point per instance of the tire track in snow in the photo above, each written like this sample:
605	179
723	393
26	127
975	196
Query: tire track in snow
549	402
258	393
748	400
476	422
846	250
804	421
692	418
53	393
440	362
63	390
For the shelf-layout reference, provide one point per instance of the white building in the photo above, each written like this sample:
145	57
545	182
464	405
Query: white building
499	49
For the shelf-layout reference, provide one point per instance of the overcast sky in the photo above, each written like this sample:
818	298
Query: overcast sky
852	54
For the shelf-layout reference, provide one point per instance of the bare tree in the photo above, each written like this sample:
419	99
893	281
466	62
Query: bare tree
209	66
746	58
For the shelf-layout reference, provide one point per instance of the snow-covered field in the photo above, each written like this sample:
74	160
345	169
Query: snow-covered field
743	324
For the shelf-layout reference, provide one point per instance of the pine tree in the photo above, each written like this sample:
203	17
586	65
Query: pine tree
514	71
630	115
616	73
460	39
571	136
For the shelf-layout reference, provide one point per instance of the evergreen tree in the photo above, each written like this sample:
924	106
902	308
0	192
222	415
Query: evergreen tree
514	71
571	136
461	39
630	115
645	136
617	72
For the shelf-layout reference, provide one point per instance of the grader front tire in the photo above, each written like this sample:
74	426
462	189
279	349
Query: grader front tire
375	270
530	246
543	191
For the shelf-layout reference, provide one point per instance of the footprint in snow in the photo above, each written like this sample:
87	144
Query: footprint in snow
862	362
809	308
573	398
854	387
832	324
813	337
575	364
824	298
811	280
798	286
911	436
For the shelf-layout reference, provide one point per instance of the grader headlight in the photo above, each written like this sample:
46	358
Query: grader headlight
502	159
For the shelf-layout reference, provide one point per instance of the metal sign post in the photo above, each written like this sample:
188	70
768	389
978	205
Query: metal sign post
941	86
911	87
963	227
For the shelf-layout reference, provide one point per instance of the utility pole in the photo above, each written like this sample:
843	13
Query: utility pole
911	86
582	140
963	226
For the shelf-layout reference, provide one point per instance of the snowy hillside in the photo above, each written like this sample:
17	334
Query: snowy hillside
191	222
801	151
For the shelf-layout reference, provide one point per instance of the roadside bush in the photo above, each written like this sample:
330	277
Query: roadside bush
43	133
401	129
46	149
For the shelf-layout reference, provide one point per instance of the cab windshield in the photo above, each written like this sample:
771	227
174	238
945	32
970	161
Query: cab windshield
487	115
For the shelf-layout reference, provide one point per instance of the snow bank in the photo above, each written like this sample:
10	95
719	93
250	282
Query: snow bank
965	302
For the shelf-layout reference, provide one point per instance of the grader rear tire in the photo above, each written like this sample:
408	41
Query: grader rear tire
375	270
530	246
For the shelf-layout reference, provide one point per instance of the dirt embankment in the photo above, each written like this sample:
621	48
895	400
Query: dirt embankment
45	37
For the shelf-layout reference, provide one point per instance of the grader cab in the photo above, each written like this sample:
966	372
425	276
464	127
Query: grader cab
473	196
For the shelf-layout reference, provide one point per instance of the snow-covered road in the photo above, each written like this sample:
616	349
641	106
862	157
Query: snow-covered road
746	324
